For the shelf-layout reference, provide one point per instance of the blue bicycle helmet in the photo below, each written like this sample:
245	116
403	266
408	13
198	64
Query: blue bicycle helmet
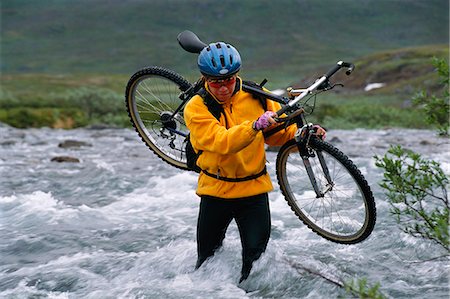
219	60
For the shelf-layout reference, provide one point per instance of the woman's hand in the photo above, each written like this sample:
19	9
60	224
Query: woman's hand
319	131
264	121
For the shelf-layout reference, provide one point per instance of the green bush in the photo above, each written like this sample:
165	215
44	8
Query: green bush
436	108
95	101
360	288
417	191
70	108
43	117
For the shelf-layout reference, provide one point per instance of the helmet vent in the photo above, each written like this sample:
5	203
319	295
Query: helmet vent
213	61
231	59
218	46
222	60
208	48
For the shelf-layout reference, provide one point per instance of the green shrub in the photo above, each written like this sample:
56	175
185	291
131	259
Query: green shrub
100	105
436	108
43	117
361	289
417	191
70	108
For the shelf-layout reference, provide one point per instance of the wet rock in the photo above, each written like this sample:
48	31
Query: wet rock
7	143
425	142
61	159
73	143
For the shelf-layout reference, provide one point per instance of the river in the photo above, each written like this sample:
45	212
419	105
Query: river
121	223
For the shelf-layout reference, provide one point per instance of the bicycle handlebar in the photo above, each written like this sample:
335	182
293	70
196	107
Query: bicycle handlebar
340	64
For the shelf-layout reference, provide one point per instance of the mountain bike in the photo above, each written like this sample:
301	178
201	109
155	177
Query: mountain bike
321	184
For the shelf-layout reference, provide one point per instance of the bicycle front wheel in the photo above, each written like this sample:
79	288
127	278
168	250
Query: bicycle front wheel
152	98
337	202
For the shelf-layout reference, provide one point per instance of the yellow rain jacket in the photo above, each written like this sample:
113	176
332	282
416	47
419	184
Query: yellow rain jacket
231	147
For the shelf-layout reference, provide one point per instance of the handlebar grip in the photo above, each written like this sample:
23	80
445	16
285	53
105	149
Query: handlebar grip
340	65
331	72
283	110
350	69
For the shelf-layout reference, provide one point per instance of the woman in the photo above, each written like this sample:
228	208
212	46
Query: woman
233	182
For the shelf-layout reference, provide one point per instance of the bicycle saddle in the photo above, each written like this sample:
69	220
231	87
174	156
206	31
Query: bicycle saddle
190	42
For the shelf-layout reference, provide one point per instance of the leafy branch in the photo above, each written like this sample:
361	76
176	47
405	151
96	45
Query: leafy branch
436	108
417	191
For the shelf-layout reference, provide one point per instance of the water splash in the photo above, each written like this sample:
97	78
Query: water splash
122	224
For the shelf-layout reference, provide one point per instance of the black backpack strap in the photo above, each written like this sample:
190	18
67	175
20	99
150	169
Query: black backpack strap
260	98
247	178
191	155
213	107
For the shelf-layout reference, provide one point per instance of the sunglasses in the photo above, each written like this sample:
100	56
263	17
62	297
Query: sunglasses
217	83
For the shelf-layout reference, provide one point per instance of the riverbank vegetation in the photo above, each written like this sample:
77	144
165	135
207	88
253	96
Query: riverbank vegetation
76	100
65	66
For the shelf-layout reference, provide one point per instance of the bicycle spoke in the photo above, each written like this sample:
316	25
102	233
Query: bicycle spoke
157	98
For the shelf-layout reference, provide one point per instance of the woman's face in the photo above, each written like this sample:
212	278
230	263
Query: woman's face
222	89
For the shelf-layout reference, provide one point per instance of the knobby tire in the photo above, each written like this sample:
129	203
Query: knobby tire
349	197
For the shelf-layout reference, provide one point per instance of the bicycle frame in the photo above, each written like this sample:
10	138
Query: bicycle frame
191	43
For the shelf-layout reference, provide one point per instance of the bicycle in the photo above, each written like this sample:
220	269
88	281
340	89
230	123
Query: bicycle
321	184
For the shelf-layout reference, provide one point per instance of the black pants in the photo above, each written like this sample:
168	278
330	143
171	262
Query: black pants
252	216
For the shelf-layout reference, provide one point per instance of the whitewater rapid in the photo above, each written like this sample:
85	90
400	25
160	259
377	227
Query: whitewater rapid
122	224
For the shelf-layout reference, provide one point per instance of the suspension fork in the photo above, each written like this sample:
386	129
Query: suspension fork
302	138
312	177
324	166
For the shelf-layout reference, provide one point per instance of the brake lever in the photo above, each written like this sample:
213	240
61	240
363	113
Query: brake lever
328	86
337	84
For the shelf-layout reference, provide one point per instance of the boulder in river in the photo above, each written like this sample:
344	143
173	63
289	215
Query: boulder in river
73	143
61	159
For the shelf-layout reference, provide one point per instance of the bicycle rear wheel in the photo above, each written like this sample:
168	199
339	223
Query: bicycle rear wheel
344	211
152	97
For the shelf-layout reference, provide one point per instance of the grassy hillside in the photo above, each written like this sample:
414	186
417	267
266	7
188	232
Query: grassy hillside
66	63
281	37
72	100
402	71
